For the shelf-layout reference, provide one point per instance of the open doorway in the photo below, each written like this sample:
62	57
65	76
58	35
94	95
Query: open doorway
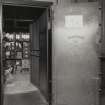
26	55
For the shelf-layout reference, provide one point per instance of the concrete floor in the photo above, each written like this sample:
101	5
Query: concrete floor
22	92
29	98
20	84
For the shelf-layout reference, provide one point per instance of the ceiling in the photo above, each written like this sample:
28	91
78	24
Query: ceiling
19	17
20	12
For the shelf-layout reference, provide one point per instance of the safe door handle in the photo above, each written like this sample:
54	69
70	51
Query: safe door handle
35	53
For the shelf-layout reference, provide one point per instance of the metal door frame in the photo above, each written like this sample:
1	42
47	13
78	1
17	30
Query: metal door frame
36	4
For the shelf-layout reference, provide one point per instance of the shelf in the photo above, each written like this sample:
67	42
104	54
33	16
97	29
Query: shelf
15	50
13	58
18	41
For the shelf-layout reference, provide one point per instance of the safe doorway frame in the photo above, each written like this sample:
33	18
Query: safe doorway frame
37	4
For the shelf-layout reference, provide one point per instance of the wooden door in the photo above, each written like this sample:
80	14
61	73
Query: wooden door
76	64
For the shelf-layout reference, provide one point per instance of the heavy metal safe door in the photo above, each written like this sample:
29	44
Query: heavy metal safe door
35	54
75	54
39	54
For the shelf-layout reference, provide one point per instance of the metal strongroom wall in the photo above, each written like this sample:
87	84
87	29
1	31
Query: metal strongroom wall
75	55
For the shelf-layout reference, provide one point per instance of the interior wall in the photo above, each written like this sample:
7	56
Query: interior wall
75	56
